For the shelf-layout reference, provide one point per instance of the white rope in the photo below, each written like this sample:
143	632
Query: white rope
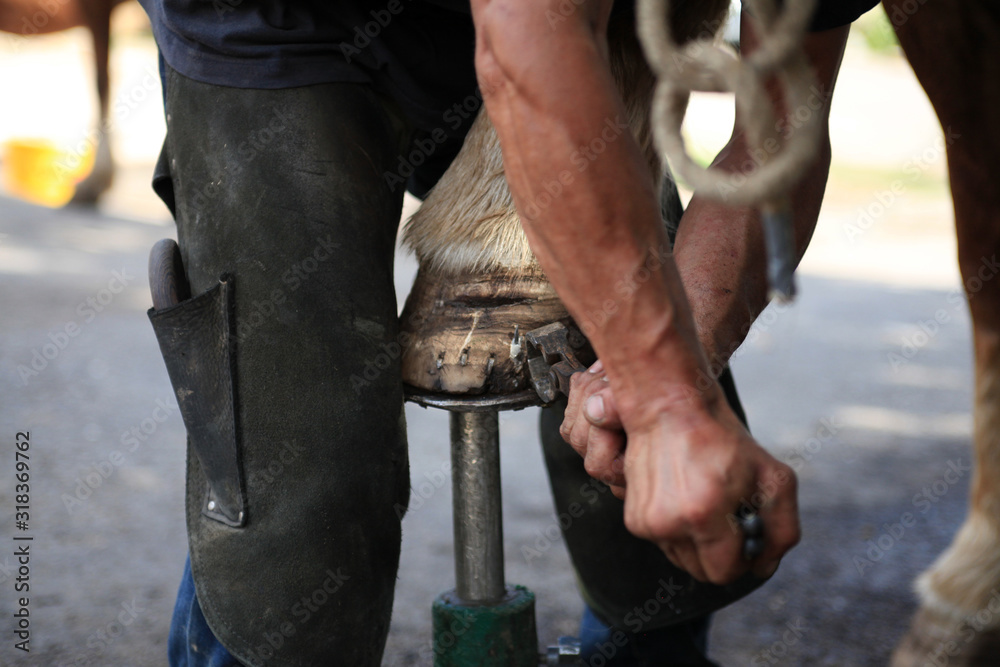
701	65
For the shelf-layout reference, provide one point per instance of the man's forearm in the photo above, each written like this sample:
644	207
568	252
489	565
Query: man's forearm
601	241
721	258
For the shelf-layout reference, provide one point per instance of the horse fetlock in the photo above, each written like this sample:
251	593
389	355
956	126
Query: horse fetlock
966	578
933	640
101	176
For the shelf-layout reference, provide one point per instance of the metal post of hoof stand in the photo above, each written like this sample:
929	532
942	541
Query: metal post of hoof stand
483	622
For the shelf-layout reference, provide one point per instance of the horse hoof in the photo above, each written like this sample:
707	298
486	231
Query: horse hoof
89	190
932	640
100	178
458	331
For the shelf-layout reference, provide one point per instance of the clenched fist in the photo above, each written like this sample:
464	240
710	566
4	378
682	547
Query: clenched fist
684	474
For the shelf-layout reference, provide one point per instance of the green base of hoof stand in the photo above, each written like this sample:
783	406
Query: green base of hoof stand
486	635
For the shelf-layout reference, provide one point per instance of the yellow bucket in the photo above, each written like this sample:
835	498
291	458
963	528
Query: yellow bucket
42	172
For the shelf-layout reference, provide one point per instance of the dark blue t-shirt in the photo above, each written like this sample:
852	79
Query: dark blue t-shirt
420	52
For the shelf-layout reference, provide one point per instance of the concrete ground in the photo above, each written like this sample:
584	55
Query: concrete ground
863	385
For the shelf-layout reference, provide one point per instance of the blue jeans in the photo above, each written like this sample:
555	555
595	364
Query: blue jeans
191	642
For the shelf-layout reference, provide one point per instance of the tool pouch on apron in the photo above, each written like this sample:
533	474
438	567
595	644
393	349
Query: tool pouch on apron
196	342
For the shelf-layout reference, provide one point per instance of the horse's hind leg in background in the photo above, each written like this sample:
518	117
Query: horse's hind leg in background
954	48
97	18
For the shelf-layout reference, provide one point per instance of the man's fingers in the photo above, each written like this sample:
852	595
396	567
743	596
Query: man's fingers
579	437
600	410
684	555
765	570
720	544
781	521
604	447
722	557
578	394
718	538
686	486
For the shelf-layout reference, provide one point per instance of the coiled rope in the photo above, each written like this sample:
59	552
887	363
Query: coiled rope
702	65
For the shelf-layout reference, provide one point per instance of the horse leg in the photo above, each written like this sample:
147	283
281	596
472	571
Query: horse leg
29	17
97	18
479	282
954	48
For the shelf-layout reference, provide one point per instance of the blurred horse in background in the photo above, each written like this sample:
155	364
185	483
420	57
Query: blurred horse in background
36	17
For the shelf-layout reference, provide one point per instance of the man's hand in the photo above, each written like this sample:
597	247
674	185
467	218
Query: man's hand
592	427
680	470
675	472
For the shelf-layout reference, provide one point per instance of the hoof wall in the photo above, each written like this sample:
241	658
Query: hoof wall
459	331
